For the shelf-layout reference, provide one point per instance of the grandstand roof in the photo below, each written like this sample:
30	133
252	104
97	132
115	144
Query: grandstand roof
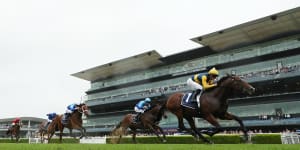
263	29
23	118
188	55
267	28
137	62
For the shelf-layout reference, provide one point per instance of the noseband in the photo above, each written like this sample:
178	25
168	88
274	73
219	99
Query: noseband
82	109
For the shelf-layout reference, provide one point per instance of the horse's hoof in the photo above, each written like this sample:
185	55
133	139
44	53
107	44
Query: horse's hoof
207	132
196	137
179	130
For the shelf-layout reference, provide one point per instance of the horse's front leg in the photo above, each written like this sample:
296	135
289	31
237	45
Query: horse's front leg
133	130
71	133
151	127
161	131
82	131
194	130
230	116
213	121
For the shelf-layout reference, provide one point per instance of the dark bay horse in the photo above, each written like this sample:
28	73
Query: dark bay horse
213	105
14	131
149	120
74	122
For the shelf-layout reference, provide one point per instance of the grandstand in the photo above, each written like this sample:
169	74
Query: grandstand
265	52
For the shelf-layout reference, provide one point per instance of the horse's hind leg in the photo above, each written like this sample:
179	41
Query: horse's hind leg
181	126
230	116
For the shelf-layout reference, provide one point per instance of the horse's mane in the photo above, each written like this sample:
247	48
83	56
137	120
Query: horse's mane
151	107
219	82
223	79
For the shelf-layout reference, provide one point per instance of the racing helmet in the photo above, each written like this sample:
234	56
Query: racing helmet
148	100
213	71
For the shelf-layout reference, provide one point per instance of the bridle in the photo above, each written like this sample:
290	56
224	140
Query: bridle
83	109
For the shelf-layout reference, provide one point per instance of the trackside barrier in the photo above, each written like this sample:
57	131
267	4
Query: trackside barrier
290	138
93	140
35	140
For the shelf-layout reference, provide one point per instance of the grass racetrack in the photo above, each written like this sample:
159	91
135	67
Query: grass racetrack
22	146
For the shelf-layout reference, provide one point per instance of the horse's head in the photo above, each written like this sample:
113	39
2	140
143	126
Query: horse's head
83	108
236	83
157	110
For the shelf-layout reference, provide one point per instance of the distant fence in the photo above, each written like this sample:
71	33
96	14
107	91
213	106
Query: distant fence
35	140
290	138
93	140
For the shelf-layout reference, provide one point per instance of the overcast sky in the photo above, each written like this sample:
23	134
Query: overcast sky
42	42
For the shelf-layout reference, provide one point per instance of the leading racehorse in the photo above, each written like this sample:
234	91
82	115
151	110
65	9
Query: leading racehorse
213	105
74	122
149	120
14	131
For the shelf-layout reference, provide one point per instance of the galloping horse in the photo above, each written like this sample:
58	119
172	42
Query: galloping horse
14	131
74	122
149	120
213	105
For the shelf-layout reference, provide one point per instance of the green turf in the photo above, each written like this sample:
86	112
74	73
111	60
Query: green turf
11	146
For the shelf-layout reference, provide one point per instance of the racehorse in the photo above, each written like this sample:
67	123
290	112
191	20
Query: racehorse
213	105
14	131
74	122
148	120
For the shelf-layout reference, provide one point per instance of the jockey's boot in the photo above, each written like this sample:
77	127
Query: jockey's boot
137	117
66	118
47	124
194	96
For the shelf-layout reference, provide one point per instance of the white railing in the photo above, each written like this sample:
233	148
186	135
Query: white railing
290	138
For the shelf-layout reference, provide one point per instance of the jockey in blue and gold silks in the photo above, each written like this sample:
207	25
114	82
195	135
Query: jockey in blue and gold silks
199	81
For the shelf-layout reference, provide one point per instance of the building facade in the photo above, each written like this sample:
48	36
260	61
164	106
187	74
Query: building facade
264	52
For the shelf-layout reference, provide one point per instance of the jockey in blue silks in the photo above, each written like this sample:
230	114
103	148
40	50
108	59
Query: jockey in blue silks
141	107
70	109
51	116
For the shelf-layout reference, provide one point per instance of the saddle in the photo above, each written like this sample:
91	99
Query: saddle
65	118
188	101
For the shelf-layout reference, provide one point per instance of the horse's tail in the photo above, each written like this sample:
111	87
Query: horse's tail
117	126
164	107
116	133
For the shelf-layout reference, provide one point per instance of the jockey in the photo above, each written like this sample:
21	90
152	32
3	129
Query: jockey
141	107
206	81
16	121
70	109
51	116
